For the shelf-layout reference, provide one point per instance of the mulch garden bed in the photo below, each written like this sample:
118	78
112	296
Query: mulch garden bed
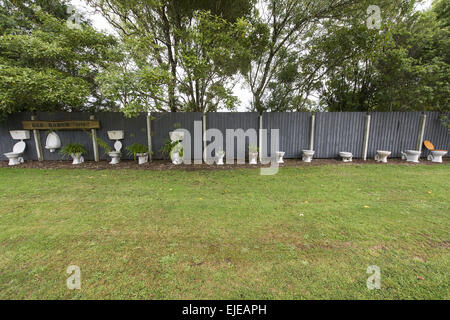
160	165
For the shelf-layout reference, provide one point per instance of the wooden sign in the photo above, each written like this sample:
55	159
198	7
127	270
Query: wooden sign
61	125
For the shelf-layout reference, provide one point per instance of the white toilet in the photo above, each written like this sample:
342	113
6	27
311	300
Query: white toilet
307	155
436	155
220	155
53	142
116	154
280	155
176	136
382	156
411	155
18	149
346	156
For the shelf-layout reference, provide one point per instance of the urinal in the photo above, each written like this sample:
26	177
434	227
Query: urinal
53	142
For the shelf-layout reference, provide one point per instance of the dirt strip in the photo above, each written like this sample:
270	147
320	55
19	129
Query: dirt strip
160	165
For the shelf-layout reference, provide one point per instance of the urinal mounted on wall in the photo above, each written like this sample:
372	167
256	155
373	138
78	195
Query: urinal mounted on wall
53	142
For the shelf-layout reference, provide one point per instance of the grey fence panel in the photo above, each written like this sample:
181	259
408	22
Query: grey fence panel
14	122
163	123
232	120
135	130
294	131
334	132
393	131
437	132
339	131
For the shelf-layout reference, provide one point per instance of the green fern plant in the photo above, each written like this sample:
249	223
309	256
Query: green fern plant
135	149
72	148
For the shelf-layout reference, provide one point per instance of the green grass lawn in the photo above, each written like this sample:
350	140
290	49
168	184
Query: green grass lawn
306	233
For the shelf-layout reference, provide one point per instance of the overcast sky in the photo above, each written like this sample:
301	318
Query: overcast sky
101	24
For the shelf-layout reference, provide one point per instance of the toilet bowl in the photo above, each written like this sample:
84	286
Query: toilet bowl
15	157
436	155
346	156
280	155
307	155
382	156
77	158
177	150
53	142
220	155
411	155
116	153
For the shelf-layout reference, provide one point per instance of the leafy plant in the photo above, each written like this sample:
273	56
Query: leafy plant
253	149
72	148
102	143
169	147
135	149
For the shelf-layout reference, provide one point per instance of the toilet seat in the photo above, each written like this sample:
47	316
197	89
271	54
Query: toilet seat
118	146
19	147
429	145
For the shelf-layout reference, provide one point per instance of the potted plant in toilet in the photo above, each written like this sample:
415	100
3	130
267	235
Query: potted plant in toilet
139	151
174	150
177	152
74	150
253	154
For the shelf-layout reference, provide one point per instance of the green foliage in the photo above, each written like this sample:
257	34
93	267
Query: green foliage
72	148
169	147
135	149
44	64
402	67
202	44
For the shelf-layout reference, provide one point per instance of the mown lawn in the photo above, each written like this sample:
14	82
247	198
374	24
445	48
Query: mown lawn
306	233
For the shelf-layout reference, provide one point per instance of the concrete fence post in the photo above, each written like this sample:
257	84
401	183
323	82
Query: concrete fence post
37	141
260	136
149	136
204	136
366	137
420	137
94	141
311	131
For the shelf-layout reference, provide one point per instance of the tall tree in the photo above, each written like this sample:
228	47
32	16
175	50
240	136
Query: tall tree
46	65
288	24
173	29
402	66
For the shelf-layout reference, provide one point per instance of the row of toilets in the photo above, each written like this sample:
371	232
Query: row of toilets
53	142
